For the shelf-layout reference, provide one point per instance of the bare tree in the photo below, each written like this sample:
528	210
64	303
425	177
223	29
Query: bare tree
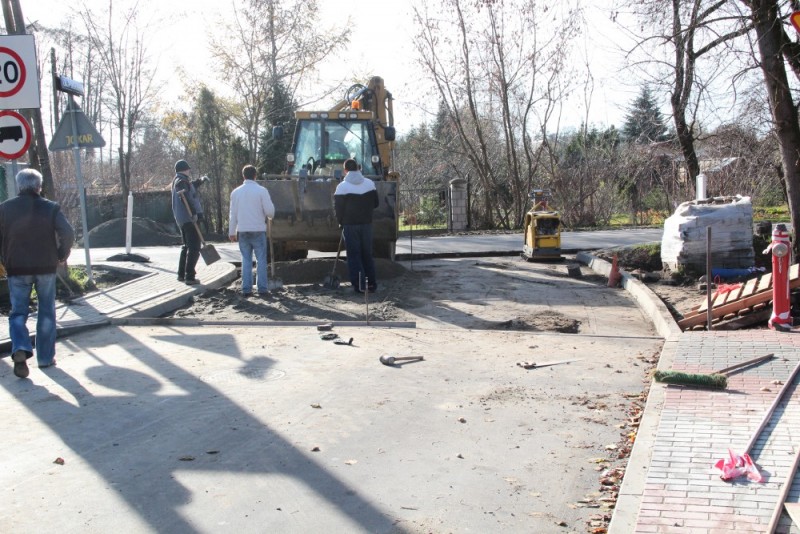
271	42
501	70
676	35
120	44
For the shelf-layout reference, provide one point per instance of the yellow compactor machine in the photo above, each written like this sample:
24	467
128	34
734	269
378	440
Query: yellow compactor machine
542	229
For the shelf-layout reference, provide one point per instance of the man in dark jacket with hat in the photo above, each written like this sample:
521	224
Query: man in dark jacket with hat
34	238
184	192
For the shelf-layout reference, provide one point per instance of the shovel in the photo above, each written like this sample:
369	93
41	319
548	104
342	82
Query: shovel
332	281
274	283
207	251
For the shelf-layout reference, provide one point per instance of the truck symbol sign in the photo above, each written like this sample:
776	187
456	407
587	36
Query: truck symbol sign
10	132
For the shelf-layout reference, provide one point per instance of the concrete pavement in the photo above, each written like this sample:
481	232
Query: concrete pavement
669	485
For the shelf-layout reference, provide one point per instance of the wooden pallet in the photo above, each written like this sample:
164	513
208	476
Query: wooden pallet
754	295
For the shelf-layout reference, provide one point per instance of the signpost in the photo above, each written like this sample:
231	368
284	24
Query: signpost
76	132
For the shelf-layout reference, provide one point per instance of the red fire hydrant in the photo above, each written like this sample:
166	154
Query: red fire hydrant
781	318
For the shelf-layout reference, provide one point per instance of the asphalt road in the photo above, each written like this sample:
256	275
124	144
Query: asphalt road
409	247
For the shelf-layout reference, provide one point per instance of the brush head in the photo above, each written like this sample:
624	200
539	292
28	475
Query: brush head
712	381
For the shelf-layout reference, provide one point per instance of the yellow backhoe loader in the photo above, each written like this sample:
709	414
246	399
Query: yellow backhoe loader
360	126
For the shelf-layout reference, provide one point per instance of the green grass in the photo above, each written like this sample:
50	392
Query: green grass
419	227
771	213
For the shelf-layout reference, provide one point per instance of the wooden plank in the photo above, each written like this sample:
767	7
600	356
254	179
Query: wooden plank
744	321
756	293
761	298
750	287
793	509
715	298
738	292
764	283
732	295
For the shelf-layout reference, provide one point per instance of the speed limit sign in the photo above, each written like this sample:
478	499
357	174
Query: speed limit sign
19	82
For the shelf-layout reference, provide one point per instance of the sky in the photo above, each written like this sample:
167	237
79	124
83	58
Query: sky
380	45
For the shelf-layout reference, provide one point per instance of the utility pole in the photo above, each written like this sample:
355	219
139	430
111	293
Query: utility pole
38	156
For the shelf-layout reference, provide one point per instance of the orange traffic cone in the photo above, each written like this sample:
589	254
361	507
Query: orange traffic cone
614	277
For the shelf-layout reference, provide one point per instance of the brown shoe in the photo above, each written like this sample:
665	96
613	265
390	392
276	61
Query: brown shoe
20	358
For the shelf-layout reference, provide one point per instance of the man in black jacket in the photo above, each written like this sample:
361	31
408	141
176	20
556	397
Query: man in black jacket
354	201
34	238
184	192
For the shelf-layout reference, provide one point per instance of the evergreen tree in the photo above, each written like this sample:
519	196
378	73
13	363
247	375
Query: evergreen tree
212	141
280	109
441	127
644	122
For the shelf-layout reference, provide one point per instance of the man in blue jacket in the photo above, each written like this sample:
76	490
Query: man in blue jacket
34	238
186	219
354	201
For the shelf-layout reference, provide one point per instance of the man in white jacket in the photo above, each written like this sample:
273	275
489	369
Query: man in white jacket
251	206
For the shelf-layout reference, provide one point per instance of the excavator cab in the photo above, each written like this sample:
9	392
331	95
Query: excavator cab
322	145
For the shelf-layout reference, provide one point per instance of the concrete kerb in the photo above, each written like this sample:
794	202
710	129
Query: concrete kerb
626	510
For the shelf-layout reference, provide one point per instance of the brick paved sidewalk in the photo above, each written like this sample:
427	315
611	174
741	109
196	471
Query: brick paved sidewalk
682	492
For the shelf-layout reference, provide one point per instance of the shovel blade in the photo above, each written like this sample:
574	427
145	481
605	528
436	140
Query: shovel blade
209	254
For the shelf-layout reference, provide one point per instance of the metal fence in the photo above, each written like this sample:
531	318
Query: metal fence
424	207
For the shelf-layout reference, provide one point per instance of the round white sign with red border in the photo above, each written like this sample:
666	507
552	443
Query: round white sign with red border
15	134
12	72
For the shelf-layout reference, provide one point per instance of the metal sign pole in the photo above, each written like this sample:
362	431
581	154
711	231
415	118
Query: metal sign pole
76	151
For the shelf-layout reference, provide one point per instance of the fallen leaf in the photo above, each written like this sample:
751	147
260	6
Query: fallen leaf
59	461
315	448
316	406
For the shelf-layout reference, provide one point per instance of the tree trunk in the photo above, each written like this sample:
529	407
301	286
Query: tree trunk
38	156
784	112
686	140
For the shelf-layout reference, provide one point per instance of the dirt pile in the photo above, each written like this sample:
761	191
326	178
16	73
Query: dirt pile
314	271
145	233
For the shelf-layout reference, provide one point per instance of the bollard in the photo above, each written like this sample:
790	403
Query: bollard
614	276
781	318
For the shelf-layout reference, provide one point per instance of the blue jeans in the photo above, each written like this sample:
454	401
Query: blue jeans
250	242
19	288
360	264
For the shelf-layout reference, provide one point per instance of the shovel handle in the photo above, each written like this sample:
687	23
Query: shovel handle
196	226
271	249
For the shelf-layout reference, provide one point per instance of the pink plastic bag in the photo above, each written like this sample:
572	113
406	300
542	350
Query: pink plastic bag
737	465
